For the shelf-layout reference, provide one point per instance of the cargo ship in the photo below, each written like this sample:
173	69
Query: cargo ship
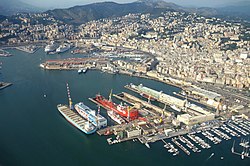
122	110
76	120
114	116
95	118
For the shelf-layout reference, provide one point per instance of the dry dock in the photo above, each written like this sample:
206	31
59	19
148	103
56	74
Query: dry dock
134	100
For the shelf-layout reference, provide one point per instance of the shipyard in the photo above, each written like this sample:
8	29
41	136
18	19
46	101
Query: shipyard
189	121
148	116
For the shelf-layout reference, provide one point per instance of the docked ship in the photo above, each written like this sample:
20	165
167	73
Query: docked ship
50	47
148	97
76	120
114	116
122	110
175	108
95	118
62	48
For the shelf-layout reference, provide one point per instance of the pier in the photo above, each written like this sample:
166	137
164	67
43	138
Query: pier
174	140
73	63
28	49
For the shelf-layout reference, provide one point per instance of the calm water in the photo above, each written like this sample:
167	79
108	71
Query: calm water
32	131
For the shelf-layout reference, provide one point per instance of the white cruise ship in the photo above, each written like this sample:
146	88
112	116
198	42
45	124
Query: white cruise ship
62	48
50	47
96	119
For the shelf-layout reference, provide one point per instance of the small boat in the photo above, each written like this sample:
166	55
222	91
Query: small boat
147	145
79	71
84	70
242	156
176	153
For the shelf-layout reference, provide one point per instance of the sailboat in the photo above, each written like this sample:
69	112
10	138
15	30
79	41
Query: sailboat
242	154
147	145
233	147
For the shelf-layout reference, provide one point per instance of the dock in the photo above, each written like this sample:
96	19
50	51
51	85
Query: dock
28	49
73	63
195	100
180	146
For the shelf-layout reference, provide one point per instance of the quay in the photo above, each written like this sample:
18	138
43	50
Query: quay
28	49
4	85
195	100
73	63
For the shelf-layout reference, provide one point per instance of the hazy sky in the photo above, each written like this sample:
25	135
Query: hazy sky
70	3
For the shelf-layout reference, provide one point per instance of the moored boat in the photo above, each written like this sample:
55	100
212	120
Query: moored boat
114	116
123	110
62	48
76	120
95	118
50	47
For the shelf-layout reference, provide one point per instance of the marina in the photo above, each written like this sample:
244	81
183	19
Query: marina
245	149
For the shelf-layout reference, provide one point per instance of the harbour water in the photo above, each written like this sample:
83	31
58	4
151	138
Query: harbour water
34	133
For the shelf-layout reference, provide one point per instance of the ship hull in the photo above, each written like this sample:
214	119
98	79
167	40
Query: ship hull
124	111
97	120
75	119
115	117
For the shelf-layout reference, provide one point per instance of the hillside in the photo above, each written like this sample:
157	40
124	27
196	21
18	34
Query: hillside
85	13
11	7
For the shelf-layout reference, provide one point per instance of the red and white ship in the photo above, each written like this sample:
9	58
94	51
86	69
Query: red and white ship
114	116
123	110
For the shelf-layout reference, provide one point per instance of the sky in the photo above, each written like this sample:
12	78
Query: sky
70	3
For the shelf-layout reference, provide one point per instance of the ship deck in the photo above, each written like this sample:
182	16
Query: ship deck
106	108
71	115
